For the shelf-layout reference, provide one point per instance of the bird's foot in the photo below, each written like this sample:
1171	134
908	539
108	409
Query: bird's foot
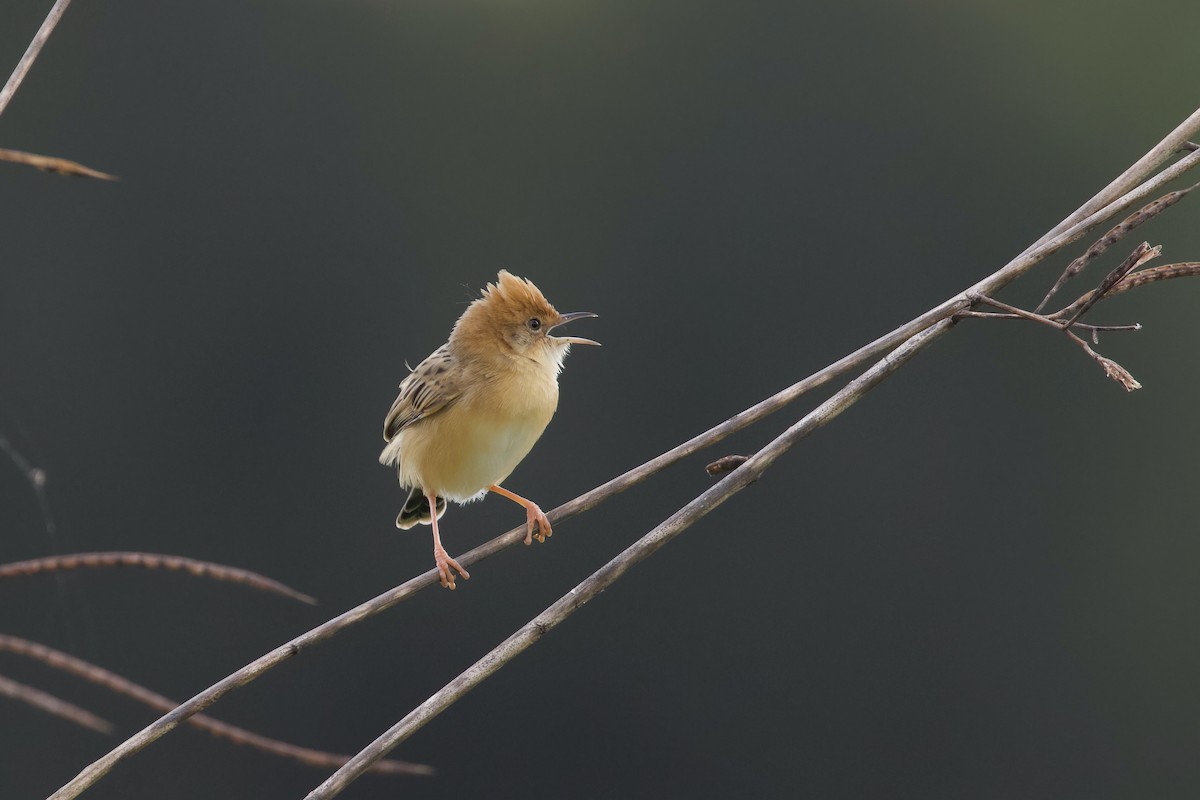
446	566
538	526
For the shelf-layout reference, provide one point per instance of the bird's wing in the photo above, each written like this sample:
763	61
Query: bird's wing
428	389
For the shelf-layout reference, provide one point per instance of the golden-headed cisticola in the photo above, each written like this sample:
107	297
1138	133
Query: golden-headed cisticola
471	411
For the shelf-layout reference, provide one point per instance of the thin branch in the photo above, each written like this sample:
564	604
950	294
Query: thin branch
110	680
1152	160
1184	269
52	705
31	53
1140	255
203	569
61	166
1011	312
1113	236
1026	315
1053	320
644	547
1120	194
1068	318
1111	368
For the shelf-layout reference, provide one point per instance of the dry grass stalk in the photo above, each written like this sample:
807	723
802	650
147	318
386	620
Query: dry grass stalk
203	569
60	166
52	705
123	686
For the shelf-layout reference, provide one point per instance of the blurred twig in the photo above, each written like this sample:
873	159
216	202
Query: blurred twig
37	482
204	569
1120	194
61	166
31	53
52	705
110	680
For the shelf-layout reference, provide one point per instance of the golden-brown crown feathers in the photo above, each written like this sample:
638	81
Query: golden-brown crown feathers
503	314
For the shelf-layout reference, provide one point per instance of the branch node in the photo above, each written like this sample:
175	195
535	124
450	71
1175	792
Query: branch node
725	465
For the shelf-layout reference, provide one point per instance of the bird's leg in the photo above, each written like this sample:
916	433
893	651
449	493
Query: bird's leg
443	560
534	518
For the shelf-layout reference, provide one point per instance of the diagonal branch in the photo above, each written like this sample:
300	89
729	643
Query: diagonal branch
1120	194
677	523
1141	254
203	569
61	166
1113	236
31	53
113	682
1133	280
52	705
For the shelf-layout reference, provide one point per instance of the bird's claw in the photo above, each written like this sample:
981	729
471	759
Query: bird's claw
445	566
537	525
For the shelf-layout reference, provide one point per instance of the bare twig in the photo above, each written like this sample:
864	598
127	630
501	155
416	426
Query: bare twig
1068	318
110	680
1133	280
1140	255
1184	269
1119	195
1152	160
52	705
52	164
1113	236
644	547
1052	320
31	53
1011	312
1111	368
1029	315
61	166
203	569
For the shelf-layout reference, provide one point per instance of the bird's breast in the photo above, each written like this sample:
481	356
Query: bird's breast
461	451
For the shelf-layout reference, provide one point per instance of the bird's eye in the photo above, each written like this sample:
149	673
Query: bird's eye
534	324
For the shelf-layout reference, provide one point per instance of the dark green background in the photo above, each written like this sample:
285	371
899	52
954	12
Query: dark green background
979	582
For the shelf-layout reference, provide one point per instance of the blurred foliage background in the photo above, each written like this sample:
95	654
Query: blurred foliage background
979	582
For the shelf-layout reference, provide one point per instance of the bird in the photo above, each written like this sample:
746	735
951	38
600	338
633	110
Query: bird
468	414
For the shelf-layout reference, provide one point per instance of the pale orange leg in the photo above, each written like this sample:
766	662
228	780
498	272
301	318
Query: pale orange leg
440	556
533	515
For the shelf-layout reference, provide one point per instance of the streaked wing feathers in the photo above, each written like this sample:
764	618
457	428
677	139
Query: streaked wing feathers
428	389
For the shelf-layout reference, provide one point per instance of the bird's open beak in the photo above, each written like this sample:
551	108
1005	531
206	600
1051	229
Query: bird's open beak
563	319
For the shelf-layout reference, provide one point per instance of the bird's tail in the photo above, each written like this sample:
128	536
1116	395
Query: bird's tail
416	510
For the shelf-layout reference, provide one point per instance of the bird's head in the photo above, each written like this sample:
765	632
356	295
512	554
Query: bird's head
513	318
